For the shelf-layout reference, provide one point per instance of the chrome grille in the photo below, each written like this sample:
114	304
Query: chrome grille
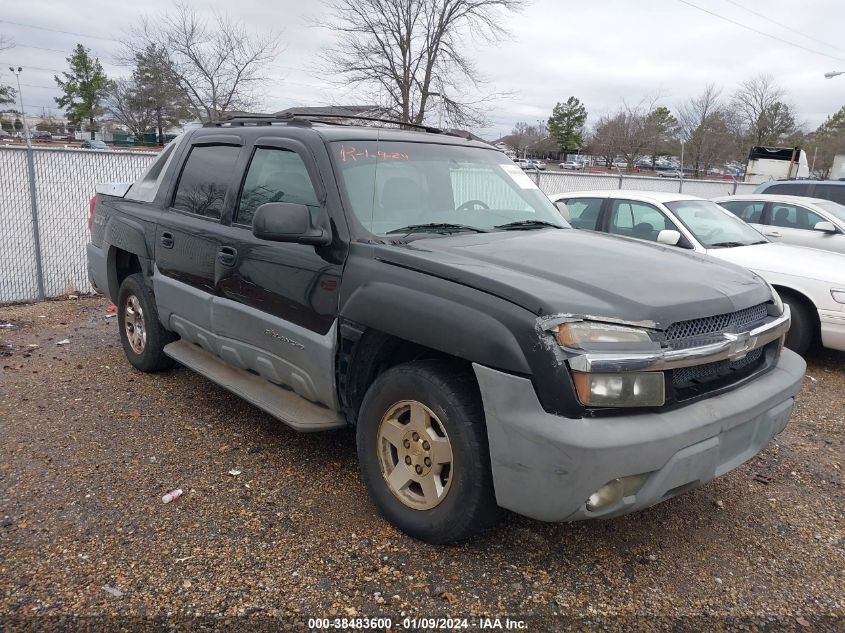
702	373
732	321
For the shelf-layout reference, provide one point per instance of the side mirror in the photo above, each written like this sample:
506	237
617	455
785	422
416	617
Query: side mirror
564	210
825	227
287	222
669	237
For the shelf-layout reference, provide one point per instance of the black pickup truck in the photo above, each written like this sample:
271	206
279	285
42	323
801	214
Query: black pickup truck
418	286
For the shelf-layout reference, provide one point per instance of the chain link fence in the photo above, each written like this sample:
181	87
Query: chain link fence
43	251
50	234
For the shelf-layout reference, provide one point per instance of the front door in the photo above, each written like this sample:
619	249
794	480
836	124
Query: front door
794	224
278	304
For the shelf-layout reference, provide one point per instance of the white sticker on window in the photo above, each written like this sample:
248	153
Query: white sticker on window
519	176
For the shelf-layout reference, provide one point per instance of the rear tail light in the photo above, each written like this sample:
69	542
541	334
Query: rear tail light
92	207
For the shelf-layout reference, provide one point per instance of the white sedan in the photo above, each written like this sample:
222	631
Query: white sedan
571	164
811	282
793	220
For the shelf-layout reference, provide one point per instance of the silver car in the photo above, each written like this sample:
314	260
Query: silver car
809	222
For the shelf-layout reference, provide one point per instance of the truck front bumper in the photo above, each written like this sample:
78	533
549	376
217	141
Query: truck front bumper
546	466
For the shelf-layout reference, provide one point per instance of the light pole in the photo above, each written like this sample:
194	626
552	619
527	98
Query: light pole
17	74
834	73
33	198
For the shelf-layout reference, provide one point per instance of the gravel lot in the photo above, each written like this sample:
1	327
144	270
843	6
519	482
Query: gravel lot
88	446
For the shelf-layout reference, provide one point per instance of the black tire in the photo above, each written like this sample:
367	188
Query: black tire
150	356
451	394
802	331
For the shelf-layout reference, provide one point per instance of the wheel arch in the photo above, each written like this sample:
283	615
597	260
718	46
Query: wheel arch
790	292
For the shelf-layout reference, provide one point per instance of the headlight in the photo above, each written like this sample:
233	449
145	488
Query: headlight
579	333
777	303
838	295
629	389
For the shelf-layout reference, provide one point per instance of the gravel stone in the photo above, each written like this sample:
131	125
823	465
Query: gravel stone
88	445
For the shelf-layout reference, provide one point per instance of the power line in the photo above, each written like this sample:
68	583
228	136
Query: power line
26	66
784	26
42	48
763	33
44	28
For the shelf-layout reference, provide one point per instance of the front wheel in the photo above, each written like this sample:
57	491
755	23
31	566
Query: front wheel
800	335
423	452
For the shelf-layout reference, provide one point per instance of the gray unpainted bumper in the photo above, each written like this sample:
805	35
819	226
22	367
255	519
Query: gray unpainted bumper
97	268
546	466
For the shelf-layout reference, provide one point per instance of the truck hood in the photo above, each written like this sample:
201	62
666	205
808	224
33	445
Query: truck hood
787	261
553	271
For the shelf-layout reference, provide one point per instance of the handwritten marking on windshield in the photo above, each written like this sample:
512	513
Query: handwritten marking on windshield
350	153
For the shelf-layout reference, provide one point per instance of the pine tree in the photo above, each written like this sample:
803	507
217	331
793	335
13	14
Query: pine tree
566	125
84	87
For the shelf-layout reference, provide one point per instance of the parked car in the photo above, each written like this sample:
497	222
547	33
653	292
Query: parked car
796	220
620	164
669	173
486	354
825	189
571	164
41	135
533	165
4	134
811	282
95	145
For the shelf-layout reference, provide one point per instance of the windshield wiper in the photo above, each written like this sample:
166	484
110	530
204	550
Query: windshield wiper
527	224
436	227
732	244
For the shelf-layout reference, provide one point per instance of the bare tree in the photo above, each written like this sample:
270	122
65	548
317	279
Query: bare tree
759	102
410	52
7	93
217	64
524	137
604	140
127	106
702	121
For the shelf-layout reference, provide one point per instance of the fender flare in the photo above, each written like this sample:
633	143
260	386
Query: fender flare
123	234
438	322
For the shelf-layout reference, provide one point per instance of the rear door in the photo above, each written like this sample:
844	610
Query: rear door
189	253
276	307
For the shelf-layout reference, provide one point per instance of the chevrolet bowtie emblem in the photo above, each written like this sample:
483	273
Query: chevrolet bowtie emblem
740	345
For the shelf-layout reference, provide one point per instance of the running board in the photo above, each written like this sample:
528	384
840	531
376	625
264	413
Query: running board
295	411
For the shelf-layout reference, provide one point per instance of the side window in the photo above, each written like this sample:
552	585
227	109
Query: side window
637	219
747	210
275	175
205	179
584	212
789	189
830	192
790	216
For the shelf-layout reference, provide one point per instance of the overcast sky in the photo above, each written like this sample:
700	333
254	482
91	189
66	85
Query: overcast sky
601	52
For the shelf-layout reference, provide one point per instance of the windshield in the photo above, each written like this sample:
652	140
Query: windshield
397	185
713	226
834	208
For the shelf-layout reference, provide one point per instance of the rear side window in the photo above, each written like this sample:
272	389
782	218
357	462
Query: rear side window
275	175
789	188
584	212
205	179
748	211
830	192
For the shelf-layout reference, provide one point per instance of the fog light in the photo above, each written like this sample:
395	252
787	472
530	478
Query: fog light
615	490
629	389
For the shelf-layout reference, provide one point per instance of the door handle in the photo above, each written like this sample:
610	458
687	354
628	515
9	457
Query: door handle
166	239
773	234
227	256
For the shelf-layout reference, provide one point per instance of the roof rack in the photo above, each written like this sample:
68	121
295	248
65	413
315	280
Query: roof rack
288	117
